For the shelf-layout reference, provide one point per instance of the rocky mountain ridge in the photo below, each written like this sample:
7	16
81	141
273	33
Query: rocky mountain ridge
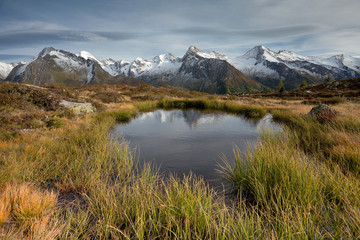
196	70
268	67
53	66
199	71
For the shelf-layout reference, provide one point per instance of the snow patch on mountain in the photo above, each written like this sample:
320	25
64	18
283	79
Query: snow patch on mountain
86	55
197	53
5	69
90	72
250	67
21	69
63	59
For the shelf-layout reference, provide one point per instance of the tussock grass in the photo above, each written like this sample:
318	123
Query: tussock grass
335	142
125	115
30	209
296	196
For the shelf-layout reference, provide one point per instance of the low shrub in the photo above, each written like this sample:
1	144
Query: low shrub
54	123
6	135
108	97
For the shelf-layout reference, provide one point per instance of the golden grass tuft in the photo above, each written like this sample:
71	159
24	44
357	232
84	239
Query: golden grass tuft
5	209
3	144
26	202
31	203
27	212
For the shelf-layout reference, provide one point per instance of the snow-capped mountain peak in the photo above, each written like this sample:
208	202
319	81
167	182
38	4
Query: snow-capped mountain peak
194	52
108	61
263	53
346	60
289	56
46	51
165	58
164	63
257	52
86	55
260	53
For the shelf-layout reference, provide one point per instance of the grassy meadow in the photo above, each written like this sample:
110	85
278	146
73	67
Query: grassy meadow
64	178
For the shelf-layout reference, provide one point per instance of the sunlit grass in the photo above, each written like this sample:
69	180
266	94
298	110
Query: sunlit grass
296	195
74	182
30	209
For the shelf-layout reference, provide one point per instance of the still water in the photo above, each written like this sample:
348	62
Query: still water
182	141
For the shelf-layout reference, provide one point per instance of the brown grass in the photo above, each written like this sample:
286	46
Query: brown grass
30	209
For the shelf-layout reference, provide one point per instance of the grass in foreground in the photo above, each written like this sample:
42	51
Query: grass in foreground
94	189
297	196
335	142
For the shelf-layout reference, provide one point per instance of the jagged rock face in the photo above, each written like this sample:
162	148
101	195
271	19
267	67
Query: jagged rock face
61	67
196	70
212	75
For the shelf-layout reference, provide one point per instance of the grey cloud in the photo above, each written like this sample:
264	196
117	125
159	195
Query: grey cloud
269	32
23	38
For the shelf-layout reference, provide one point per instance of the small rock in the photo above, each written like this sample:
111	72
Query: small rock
319	109
323	113
78	108
26	130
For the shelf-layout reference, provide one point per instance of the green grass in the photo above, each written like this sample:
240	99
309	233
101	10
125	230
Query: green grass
247	111
296	196
335	142
298	185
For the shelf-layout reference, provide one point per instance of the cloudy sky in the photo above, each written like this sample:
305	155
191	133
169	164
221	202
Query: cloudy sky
128	29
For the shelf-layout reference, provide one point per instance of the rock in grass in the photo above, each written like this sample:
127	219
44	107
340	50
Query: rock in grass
323	113
78	108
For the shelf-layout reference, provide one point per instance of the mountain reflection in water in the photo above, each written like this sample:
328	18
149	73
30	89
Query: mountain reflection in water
181	141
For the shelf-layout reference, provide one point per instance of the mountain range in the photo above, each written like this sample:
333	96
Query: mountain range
211	72
268	67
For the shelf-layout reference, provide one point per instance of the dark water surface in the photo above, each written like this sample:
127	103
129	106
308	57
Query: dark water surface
182	141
